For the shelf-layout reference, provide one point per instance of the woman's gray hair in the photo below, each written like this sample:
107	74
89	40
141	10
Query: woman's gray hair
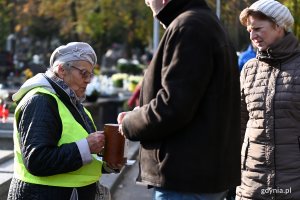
66	65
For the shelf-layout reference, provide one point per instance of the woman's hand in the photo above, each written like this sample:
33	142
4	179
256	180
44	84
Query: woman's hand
96	142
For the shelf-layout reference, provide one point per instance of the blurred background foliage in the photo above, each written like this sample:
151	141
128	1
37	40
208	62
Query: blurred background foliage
104	22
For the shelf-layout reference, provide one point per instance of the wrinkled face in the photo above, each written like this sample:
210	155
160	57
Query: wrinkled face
78	77
156	5
263	33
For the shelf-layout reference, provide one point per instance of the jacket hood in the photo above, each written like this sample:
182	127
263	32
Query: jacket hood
176	7
38	80
281	50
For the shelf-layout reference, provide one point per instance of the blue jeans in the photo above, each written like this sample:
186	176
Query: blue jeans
162	194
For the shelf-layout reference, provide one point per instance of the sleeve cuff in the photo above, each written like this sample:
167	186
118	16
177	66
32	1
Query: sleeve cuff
84	150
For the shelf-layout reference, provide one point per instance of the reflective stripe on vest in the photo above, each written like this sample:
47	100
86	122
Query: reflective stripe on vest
87	174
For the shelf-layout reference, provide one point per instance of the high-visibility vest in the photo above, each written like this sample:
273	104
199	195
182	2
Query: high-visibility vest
72	131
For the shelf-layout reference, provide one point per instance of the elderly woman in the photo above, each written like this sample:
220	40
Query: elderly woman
55	138
270	90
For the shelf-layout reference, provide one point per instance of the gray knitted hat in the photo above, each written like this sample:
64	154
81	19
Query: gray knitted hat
275	10
73	51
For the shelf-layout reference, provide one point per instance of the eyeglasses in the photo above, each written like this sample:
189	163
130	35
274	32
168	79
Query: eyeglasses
84	73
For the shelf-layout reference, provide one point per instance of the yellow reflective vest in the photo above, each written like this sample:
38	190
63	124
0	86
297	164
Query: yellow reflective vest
72	131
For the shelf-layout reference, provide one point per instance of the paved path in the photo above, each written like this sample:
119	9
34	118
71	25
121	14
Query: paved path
127	189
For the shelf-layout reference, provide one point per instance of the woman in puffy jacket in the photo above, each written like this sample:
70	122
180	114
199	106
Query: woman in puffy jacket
270	92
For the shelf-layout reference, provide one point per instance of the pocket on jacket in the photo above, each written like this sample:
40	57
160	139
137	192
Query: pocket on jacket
161	152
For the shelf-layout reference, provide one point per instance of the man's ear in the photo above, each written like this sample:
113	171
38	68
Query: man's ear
165	2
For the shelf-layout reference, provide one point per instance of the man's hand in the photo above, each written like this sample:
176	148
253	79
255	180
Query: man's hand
121	117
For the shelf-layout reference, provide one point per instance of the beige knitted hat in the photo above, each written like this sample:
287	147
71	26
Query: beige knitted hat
275	10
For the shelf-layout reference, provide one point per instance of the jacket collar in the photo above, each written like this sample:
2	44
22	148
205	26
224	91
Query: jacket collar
175	8
281	50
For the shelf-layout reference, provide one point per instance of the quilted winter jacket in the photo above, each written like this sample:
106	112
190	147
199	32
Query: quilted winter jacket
270	92
42	110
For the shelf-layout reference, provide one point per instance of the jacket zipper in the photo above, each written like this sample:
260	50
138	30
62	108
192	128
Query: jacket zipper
274	135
